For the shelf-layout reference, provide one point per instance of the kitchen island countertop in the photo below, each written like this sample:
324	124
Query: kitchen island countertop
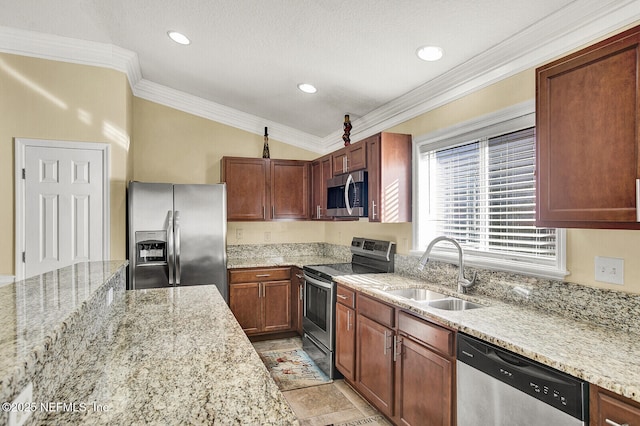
178	357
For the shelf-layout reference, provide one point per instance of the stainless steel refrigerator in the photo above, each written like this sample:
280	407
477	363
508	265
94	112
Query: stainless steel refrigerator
177	235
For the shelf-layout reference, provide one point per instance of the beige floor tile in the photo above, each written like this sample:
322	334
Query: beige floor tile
377	420
317	400
277	345
359	402
333	418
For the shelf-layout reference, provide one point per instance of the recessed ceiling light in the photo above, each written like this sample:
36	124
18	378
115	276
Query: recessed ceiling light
178	37
429	53
307	88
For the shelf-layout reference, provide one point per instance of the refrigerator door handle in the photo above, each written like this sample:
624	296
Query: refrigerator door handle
170	257
177	242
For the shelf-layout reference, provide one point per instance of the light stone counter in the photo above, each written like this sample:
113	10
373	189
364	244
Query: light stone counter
94	353
601	355
179	357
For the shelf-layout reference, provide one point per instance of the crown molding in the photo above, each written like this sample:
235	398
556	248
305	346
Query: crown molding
575	25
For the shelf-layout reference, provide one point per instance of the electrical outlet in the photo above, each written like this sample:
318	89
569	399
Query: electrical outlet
19	416
267	236
238	233
609	270
110	296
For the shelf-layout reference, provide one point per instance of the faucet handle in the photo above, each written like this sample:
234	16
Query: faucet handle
464	283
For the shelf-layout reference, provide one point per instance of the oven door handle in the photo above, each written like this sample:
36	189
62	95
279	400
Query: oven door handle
318	283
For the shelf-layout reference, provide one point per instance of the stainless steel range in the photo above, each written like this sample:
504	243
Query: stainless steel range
318	323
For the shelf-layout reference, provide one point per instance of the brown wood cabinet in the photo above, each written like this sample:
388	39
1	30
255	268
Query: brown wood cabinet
404	365
609	409
350	158
297	290
346	333
321	170
260	299
265	189
389	167
588	136
424	373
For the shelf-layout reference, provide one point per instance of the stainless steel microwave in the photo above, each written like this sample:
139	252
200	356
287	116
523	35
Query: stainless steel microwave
347	195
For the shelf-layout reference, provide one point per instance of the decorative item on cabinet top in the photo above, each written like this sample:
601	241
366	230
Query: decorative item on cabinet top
347	130
265	148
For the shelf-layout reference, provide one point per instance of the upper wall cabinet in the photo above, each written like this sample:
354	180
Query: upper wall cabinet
389	167
588	130
321	171
350	158
263	189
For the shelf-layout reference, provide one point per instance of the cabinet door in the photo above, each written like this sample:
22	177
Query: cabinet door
345	341
389	166
374	365
356	157
587	125
607	408
297	282
276	301
290	190
246	180
339	161
245	303
424	386
320	171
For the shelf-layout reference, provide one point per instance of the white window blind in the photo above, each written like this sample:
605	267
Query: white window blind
482	194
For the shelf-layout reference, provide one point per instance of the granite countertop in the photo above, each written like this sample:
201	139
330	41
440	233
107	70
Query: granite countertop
597	354
179	356
271	261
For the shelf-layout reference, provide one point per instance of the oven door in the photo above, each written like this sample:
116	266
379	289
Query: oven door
319	303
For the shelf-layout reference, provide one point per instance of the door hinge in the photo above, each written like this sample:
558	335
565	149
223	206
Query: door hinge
24	173
24	257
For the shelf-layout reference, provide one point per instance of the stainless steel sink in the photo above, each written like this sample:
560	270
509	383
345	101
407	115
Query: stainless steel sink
453	304
417	294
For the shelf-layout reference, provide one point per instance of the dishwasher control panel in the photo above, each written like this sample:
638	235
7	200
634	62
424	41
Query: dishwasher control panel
553	387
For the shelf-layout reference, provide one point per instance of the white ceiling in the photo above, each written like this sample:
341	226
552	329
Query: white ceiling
247	56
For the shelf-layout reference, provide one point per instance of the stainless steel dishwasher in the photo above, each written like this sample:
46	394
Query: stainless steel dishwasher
498	387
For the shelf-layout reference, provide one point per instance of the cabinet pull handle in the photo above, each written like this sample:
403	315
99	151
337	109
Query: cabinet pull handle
612	423
262	275
342	296
348	320
345	164
637	200
300	291
396	341
318	211
264	212
300	276
273	212
373	209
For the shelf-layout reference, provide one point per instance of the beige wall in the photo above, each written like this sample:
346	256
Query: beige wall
44	99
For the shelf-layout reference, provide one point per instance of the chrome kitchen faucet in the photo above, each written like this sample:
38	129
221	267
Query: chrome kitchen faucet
463	283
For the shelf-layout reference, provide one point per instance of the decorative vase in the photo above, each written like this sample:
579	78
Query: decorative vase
265	148
347	131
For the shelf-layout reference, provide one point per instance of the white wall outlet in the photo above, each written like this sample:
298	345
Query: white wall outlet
238	233
19	415
609	270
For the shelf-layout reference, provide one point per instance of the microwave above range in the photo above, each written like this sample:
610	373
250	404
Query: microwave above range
347	195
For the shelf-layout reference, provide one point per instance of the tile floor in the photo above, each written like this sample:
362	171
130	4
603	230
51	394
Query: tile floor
328	404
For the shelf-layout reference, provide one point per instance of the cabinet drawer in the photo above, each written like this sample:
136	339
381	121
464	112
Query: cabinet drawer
260	274
346	297
434	336
375	310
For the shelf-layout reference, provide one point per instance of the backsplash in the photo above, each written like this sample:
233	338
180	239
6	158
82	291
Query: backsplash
608	308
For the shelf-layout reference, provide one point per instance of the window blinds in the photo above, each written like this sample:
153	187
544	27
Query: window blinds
483	195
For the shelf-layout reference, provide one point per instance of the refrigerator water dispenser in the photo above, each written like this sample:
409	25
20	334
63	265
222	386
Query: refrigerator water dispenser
151	247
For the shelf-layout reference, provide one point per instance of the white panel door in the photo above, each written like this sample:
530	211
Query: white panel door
63	207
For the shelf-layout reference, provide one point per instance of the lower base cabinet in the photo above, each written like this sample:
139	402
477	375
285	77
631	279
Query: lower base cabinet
609	409
404	364
260	299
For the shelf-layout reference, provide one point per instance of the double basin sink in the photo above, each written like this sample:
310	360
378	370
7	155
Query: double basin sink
434	299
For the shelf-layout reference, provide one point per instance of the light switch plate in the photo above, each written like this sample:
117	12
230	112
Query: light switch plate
609	270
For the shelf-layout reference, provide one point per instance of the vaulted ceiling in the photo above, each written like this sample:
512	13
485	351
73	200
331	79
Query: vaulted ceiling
246	57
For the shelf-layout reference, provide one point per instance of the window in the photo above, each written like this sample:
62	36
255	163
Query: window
478	187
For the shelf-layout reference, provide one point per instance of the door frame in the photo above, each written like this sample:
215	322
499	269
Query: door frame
20	145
